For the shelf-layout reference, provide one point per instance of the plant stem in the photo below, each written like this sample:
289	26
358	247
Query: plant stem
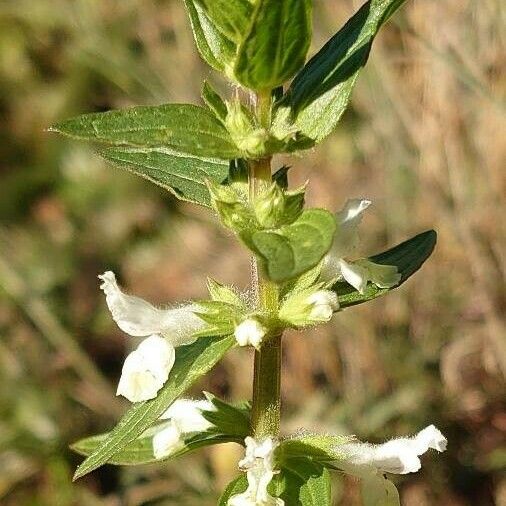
266	408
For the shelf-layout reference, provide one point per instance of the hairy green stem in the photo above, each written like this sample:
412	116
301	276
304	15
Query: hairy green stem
266	408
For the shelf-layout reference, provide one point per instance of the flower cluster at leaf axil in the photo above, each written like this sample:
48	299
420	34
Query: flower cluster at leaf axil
306	264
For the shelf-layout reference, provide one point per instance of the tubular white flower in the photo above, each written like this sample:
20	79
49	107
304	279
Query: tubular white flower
324	302
138	317
398	456
250	332
166	442
185	417
258	463
146	369
336	264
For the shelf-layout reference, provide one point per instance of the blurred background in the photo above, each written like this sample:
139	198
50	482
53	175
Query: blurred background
423	138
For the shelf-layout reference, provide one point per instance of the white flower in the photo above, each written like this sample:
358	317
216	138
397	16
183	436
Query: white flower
258	463
185	417
138	317
250	332
398	456
146	369
324	303
359	272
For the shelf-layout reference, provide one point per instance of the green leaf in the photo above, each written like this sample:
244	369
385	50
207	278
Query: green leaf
320	93
231	425
236	486
302	482
192	362
408	257
183	127
276	44
183	175
231	17
293	249
215	103
140	451
217	50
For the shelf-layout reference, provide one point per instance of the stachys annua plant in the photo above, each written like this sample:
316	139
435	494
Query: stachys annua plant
306	263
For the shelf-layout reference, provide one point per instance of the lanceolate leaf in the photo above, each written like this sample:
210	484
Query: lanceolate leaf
408	256
276	44
182	175
217	50
231	424
231	17
320	93
140	451
192	362
293	249
183	127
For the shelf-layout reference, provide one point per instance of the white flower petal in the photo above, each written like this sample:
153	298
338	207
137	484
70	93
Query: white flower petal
348	219
258	463
325	302
167	442
398	456
186	415
146	369
138	317
354	274
249	332
352	211
383	276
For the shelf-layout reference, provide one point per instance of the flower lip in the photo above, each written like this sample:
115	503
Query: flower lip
397	456
184	417
258	462
146	369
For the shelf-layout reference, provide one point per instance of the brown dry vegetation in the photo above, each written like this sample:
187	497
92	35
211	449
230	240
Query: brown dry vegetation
424	139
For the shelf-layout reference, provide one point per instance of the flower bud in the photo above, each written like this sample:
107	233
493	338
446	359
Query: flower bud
250	332
309	307
247	136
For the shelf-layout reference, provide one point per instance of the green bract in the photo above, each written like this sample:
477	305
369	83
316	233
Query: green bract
219	155
293	249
